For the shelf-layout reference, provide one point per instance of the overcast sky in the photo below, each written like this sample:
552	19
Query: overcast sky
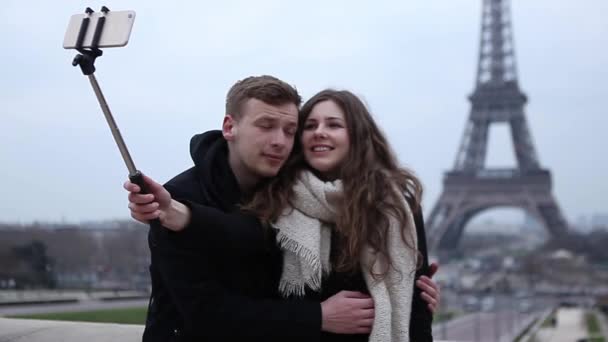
413	62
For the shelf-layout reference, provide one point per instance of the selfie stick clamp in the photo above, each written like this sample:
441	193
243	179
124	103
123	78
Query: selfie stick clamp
86	58
86	61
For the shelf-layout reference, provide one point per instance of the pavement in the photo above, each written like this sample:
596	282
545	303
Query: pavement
25	330
570	327
484	326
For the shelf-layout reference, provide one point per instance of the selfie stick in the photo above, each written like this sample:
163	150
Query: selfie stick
86	61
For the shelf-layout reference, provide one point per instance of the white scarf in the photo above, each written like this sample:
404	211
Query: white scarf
305	238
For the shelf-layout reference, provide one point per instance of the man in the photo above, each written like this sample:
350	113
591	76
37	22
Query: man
208	286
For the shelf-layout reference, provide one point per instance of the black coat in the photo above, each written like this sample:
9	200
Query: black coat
421	318
219	287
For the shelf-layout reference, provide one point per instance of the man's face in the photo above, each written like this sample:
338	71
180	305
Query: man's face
260	139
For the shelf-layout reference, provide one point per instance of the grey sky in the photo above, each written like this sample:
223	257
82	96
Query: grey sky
412	61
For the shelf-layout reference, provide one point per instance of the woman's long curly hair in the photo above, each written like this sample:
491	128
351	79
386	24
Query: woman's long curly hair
370	176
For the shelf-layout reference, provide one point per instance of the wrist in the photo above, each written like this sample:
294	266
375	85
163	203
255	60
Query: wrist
324	322
177	216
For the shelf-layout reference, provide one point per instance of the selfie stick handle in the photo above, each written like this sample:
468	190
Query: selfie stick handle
86	61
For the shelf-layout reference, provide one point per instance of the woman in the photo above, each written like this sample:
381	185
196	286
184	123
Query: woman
348	218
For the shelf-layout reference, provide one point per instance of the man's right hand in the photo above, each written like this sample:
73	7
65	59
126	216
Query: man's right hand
348	312
157	204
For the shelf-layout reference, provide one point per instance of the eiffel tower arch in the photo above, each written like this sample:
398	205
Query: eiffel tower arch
470	188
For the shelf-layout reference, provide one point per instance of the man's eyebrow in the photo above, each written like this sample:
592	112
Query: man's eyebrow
265	118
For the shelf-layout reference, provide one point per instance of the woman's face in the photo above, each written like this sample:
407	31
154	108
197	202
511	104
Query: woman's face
325	140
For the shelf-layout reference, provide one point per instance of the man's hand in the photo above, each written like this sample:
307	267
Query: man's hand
430	290
348	312
157	204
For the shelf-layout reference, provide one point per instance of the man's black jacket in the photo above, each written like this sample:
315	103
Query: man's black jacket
219	287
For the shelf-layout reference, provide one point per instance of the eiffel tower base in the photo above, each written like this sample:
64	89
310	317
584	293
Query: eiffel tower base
466	195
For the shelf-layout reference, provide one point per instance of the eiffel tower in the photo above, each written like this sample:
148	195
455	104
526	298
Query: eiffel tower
470	188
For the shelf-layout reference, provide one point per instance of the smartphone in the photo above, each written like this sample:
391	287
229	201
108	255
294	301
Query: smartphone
116	30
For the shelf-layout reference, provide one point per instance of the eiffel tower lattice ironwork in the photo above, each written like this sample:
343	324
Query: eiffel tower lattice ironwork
471	187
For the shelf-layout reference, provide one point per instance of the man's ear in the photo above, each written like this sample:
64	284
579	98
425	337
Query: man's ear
229	127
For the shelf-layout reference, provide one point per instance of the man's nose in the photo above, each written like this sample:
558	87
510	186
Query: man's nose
279	139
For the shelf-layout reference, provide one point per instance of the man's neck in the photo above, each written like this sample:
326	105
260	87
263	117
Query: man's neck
247	181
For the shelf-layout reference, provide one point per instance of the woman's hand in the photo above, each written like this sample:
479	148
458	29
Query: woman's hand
430	290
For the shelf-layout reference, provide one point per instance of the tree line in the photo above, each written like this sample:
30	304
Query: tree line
104	255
